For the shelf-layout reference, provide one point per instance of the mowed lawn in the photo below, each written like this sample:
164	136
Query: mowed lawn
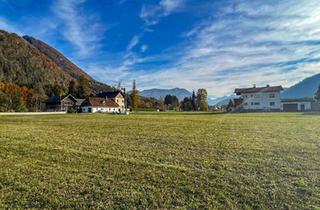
197	161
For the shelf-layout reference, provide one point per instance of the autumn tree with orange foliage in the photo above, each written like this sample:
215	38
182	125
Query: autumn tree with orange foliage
14	98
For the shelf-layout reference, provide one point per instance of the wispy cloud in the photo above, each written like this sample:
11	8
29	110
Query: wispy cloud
133	42
8	26
151	14
144	48
80	29
241	44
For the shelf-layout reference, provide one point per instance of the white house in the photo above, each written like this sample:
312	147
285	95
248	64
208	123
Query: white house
116	96
260	98
97	104
297	105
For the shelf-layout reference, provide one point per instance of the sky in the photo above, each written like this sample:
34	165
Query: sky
219	45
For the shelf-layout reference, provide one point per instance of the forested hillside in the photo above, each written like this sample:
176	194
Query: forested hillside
30	62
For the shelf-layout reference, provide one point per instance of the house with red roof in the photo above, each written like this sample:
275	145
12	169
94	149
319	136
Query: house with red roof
266	98
100	104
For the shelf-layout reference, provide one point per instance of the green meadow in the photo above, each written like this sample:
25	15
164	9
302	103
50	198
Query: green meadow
160	161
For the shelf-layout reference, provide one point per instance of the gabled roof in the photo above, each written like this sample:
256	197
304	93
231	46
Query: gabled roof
99	102
109	94
58	99
266	89
79	101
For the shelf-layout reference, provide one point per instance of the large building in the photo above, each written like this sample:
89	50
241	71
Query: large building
260	98
116	96
63	103
98	104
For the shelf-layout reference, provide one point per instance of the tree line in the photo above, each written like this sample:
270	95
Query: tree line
15	98
196	102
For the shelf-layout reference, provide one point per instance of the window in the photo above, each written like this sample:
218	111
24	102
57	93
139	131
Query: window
272	95
272	103
255	103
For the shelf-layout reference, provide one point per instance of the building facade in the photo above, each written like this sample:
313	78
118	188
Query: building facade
297	105
98	104
62	103
116	96
260	98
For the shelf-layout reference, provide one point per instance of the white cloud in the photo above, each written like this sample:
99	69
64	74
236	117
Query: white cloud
144	48
134	41
151	14
250	43
80	29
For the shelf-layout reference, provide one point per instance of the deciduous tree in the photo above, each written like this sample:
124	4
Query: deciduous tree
135	98
202	100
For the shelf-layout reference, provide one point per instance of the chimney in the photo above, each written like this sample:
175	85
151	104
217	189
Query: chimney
268	85
254	85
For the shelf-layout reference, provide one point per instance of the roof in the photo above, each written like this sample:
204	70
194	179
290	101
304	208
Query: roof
58	99
79	101
109	94
298	100
266	89
99	102
54	99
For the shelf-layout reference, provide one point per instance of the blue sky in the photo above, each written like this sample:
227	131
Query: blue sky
215	44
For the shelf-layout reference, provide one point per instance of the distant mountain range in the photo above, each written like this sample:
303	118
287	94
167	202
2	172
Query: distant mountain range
28	61
306	88
161	93
220	101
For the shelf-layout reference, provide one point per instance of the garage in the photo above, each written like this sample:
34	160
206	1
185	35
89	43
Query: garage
297	105
290	107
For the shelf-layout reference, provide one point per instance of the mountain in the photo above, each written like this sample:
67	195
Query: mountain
158	93
28	61
220	101
306	88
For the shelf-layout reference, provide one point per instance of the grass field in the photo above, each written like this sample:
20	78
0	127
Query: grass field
205	161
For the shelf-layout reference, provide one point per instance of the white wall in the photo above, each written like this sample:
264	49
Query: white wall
261	101
306	104
100	109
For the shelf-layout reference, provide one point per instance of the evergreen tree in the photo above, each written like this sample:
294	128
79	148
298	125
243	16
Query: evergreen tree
186	104
175	103
317	96
135	98
40	97
168	100
202	100
58	90
172	102
194	101
84	89
72	89
3	101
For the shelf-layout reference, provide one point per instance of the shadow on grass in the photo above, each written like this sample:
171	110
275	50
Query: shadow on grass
312	113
